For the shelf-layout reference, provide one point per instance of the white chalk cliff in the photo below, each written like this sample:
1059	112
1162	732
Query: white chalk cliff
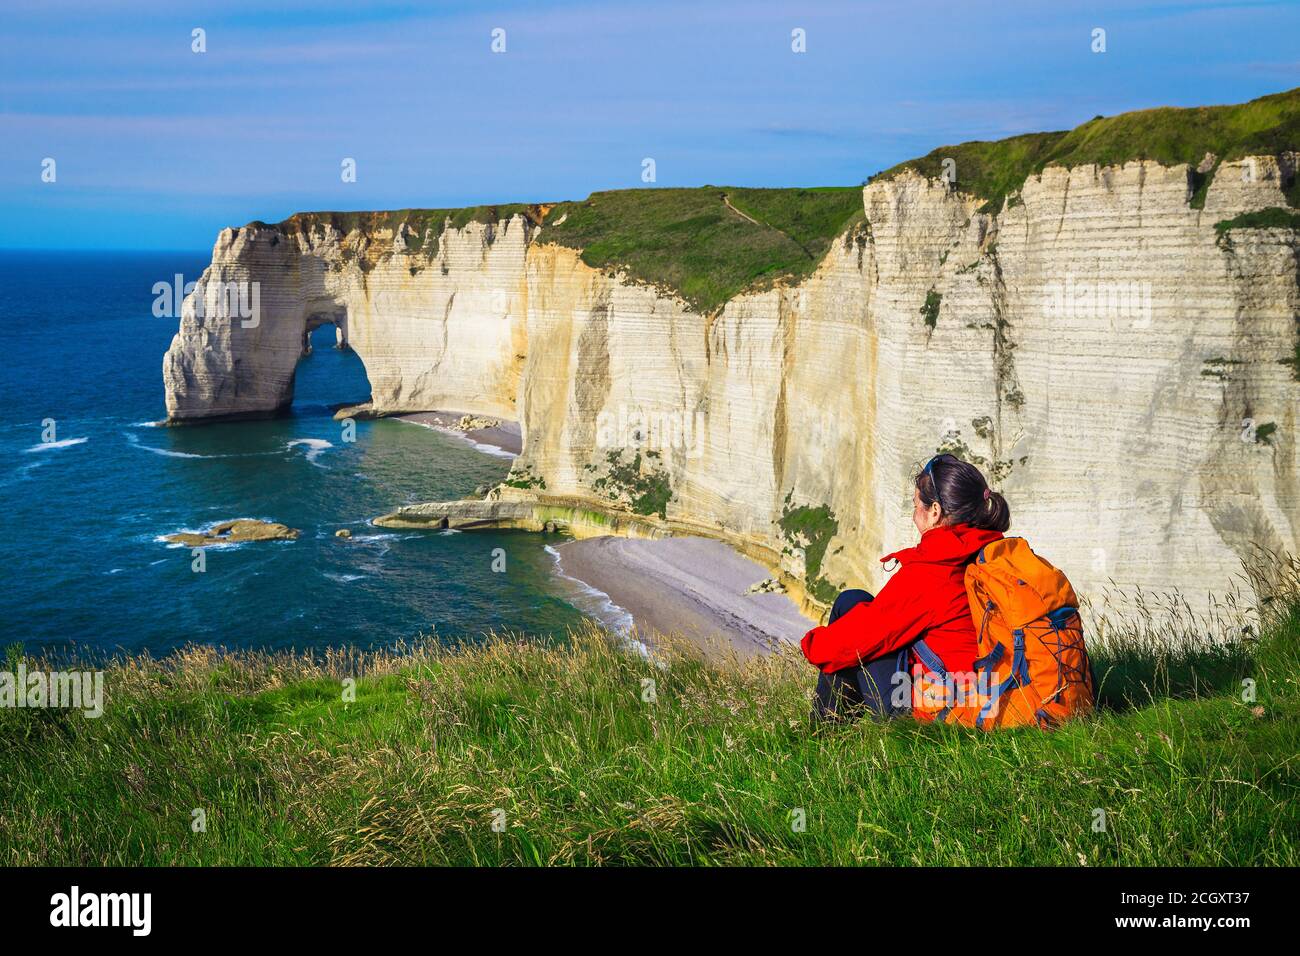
1123	372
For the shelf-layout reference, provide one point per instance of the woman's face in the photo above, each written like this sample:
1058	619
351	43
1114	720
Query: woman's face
924	516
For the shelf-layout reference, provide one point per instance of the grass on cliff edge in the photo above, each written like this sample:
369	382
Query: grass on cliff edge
560	739
710	243
994	170
706	244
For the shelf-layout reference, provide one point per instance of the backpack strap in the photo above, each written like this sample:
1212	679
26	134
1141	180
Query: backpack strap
1019	676
990	659
929	658
934	664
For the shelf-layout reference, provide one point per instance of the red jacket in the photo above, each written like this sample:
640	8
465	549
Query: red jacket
925	597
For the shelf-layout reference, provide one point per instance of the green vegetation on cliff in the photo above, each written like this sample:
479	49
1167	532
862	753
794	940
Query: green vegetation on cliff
524	478
710	243
993	170
1271	218
706	244
640	484
521	753
811	529
426	225
930	310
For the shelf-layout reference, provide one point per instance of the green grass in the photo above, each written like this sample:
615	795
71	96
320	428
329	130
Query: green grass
1271	218
690	243
710	243
993	170
711	770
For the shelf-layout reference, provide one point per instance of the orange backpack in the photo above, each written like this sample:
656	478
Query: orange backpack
1032	666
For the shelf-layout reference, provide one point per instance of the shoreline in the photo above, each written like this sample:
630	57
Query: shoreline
679	586
596	604
692	588
502	440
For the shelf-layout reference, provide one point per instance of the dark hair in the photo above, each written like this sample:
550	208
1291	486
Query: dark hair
964	496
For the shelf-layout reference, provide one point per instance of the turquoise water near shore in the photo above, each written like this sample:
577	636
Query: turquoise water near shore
84	569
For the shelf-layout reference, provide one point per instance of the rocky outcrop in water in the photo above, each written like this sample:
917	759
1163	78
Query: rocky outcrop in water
239	531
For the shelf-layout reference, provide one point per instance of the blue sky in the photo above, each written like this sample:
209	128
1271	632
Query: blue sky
158	147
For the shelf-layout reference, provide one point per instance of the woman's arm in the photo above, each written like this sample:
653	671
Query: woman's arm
898	616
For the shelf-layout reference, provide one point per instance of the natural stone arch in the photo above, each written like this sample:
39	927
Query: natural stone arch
353	389
337	317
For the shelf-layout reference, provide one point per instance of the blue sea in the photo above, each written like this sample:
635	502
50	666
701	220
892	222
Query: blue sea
85	571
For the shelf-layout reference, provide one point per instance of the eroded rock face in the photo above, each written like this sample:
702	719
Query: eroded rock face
1103	352
1116	367
432	332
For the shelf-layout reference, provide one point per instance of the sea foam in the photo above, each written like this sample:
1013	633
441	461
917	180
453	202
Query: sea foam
596	603
49	445
315	448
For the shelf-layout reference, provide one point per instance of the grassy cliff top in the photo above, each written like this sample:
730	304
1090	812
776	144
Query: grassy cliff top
704	244
437	744
992	170
710	243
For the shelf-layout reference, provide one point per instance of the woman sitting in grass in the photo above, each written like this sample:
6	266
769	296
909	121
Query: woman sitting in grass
866	650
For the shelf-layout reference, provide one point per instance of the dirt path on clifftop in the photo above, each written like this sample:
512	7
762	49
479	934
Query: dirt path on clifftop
726	201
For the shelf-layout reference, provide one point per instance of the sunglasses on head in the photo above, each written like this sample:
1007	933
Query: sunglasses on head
929	470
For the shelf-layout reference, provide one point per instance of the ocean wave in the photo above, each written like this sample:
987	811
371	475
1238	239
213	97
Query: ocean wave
49	445
134	441
315	448
22	473
342	578
490	449
494	450
213	546
597	604
165	452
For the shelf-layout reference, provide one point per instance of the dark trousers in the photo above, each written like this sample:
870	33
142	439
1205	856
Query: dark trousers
873	687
